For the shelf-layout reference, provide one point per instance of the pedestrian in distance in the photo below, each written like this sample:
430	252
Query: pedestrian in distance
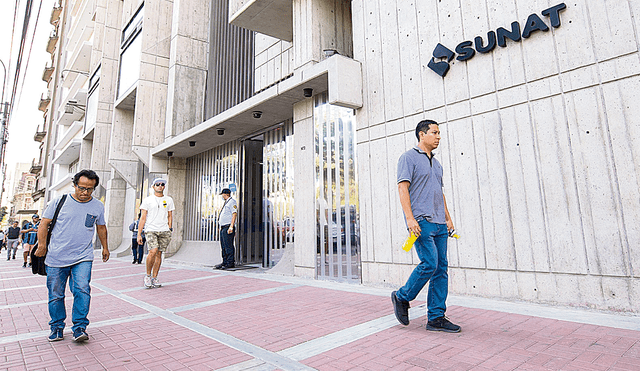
425	210
156	220
13	239
227	221
30	238
136	249
70	253
3	239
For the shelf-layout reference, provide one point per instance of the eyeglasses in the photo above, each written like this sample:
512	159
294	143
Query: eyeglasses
159	185
84	189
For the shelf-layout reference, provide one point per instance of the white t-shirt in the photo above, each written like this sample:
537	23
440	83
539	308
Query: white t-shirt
157	213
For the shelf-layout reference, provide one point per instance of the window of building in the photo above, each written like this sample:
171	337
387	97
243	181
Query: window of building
130	52
336	186
92	102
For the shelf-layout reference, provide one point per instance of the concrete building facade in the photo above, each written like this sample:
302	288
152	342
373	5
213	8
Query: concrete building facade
303	108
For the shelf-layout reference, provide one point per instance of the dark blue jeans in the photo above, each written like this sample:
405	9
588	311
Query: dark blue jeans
431	247
137	250
79	276
226	244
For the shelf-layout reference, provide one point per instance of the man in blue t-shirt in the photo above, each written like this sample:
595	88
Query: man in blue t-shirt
29	238
70	253
425	211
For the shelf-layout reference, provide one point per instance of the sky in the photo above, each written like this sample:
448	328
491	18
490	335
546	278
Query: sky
26	117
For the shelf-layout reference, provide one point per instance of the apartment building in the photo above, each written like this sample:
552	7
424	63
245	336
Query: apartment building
302	108
23	205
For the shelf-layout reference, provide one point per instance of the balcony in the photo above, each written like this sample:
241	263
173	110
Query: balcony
44	103
259	16
55	15
70	153
46	75
51	44
39	136
35	167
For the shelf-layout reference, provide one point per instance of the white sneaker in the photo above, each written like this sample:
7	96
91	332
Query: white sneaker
155	282
147	282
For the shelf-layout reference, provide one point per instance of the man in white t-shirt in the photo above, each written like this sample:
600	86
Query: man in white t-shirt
156	221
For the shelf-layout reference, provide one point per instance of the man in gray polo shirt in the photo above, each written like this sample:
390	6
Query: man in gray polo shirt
425	211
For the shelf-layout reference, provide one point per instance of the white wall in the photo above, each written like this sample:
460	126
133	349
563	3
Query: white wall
541	146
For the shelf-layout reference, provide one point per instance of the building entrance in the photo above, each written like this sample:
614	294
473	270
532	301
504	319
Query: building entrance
266	222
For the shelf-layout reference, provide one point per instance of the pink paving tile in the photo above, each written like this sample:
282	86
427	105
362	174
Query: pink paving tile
134	278
201	290
306	313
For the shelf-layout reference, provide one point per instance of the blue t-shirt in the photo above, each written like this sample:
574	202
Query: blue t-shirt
32	237
72	237
425	188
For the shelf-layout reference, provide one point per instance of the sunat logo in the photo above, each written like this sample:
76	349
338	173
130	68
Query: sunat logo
466	52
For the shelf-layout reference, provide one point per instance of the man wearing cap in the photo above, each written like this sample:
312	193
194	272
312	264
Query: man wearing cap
226	221
156	221
30	232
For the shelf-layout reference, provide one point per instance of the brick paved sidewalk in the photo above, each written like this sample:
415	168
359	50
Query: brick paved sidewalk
203	319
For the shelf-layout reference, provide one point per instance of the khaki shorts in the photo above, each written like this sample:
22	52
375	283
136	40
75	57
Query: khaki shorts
158	240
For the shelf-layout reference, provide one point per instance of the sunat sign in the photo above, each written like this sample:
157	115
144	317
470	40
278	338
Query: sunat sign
466	52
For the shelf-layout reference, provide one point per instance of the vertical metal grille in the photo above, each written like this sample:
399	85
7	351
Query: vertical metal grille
336	184
278	191
207	174
231	60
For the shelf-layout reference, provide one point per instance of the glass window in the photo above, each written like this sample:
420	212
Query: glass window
131	50
92	102
336	185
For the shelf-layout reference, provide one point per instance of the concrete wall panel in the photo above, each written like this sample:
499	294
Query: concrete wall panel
573	40
611	23
410	56
380	207
621	108
392	74
507	61
466	191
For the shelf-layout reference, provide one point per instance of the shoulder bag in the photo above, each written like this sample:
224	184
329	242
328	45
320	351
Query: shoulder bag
37	262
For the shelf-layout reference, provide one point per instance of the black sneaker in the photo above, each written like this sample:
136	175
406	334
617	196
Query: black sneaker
401	308
219	266
79	335
442	324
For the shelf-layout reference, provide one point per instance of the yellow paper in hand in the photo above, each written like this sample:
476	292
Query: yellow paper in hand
409	242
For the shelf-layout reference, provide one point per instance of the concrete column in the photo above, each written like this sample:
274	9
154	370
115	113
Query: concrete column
319	25
187	65
304	193
176	189
151	92
115	209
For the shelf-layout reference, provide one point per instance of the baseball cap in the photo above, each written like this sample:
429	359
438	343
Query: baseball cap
35	216
159	180
226	191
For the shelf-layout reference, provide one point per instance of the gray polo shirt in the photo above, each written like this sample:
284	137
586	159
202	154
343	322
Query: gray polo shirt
425	189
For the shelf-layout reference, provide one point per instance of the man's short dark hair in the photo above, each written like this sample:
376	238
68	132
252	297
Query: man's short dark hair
90	174
423	126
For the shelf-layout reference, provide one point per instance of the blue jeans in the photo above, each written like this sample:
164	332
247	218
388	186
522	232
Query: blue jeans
79	276
226	244
431	247
137	250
